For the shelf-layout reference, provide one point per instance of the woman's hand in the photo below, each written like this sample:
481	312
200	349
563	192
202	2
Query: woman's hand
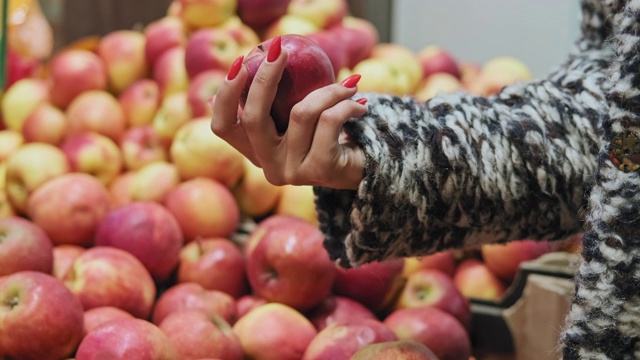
313	150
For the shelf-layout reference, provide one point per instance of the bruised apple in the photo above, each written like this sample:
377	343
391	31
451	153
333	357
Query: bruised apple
308	68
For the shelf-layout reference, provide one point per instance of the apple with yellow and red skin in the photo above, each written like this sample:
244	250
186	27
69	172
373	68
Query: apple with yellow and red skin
39	317
374	285
333	46
322	13
69	208
444	261
94	154
139	102
338	309
504	259
196	335
126	338
435	84
169	71
394	350
340	340
246	37
210	49
298	201
259	14
96	111
435	59
206	13
284	333
154	181
46	124
163	34
308	68
123	53
9	141
192	296
24	246
174	112
73	72
120	188
474	280
108	276
440	331
287	263
30	166
430	287
203	208
215	264
21	99
201	88
255	195
248	302
140	146
146	230
63	257
198	152
20	67
103	314
289	24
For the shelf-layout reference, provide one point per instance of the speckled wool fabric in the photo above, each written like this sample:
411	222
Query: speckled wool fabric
459	171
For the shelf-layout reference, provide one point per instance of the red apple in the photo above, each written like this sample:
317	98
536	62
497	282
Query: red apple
96	111
123	53
394	350
474	280
340	340
248	302
215	264
24	246
308	68
94	154
440	331
163	34
75	71
107	276
359	37
375	285
126	339
338	309
146	230
203	208
191	296
435	60
274	331
333	46
69	208
63	257
196	335
430	287
39	317
103	314
170	73
46	124
210	49
202	87
140	101
20	67
21	99
287	263
140	146
504	259
259	14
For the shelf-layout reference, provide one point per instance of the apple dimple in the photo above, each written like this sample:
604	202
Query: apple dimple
11	299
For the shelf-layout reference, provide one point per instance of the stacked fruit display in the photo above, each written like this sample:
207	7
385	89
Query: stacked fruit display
120	210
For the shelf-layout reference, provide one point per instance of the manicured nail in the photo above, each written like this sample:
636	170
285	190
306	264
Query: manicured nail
235	68
275	49
351	81
362	101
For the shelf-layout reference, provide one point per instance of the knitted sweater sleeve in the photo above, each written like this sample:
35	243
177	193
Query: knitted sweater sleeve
604	320
459	170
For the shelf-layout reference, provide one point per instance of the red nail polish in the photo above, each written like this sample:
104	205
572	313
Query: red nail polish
235	68
362	101
351	81
275	49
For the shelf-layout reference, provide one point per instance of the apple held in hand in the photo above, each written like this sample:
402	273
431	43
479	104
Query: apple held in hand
308	68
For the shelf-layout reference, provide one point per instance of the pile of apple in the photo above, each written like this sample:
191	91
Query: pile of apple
127	227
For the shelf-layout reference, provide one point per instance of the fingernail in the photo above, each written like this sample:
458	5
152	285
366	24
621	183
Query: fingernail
235	68
275	49
351	81
362	101
211	100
